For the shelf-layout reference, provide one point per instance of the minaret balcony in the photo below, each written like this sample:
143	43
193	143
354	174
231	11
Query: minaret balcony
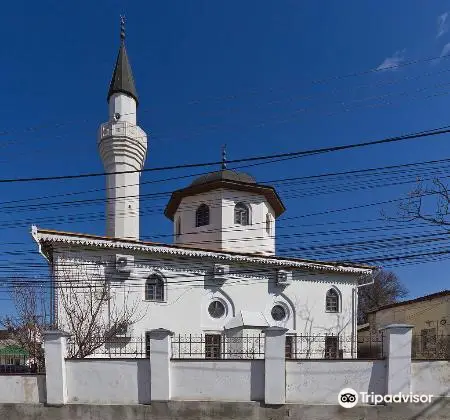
121	142
122	129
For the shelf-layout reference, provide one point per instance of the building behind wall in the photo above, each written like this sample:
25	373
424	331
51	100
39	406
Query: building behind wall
430	317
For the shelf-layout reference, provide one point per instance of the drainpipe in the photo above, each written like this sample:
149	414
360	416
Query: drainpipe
34	234
354	309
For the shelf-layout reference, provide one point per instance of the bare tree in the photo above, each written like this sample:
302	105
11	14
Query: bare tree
429	204
92	310
31	306
386	289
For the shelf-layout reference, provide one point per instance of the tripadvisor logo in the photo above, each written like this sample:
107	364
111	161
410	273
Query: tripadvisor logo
348	398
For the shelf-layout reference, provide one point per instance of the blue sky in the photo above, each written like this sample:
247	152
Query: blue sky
239	73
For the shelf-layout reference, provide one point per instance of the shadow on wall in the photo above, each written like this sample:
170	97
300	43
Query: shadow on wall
377	381
42	388
143	377
257	378
434	408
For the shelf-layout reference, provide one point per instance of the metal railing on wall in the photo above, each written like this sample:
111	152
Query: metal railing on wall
430	347
117	347
246	346
329	346
216	346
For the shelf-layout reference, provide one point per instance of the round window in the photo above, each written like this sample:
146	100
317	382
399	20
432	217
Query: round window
278	313
216	309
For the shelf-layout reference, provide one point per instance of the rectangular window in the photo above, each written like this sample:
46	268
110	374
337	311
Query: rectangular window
289	347
155	292
331	347
212	346
154	289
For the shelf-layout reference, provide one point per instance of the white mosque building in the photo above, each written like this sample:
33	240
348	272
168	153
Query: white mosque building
221	277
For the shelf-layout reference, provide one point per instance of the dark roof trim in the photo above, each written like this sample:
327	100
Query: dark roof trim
267	191
416	300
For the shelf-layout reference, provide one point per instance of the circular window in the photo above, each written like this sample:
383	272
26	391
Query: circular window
216	309
278	313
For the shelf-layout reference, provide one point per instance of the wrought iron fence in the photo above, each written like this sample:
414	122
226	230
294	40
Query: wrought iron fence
217	346
428	346
118	347
320	346
222	346
371	346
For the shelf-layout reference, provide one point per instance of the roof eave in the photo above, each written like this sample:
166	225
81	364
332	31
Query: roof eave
46	236
268	191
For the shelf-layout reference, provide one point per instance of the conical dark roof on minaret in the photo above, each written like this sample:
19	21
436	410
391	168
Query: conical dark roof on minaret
122	79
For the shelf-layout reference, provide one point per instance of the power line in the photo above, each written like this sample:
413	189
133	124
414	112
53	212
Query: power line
32	129
378	171
412	136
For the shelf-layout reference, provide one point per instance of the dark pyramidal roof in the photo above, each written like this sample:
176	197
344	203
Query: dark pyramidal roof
122	80
224	175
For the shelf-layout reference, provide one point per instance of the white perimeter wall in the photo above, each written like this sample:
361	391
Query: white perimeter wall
29	389
110	381
319	382
122	381
431	377
221	381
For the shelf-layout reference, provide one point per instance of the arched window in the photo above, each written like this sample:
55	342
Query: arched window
332	301
241	214
202	215
154	288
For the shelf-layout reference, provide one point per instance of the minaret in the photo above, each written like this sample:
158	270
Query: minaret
123	146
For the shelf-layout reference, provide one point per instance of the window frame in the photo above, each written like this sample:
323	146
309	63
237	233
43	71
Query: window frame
202	219
224	313
213	346
157	295
289	347
331	347
336	296
285	312
243	209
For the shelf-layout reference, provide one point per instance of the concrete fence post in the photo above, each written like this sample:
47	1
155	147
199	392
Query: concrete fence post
275	365
397	341
55	369
160	352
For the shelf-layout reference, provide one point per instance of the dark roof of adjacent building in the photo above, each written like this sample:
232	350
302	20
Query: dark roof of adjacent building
416	300
122	79
5	334
226	179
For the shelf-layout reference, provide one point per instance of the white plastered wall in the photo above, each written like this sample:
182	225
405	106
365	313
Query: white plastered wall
190	287
222	233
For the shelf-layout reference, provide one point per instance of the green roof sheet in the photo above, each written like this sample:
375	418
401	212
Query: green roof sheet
13	350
